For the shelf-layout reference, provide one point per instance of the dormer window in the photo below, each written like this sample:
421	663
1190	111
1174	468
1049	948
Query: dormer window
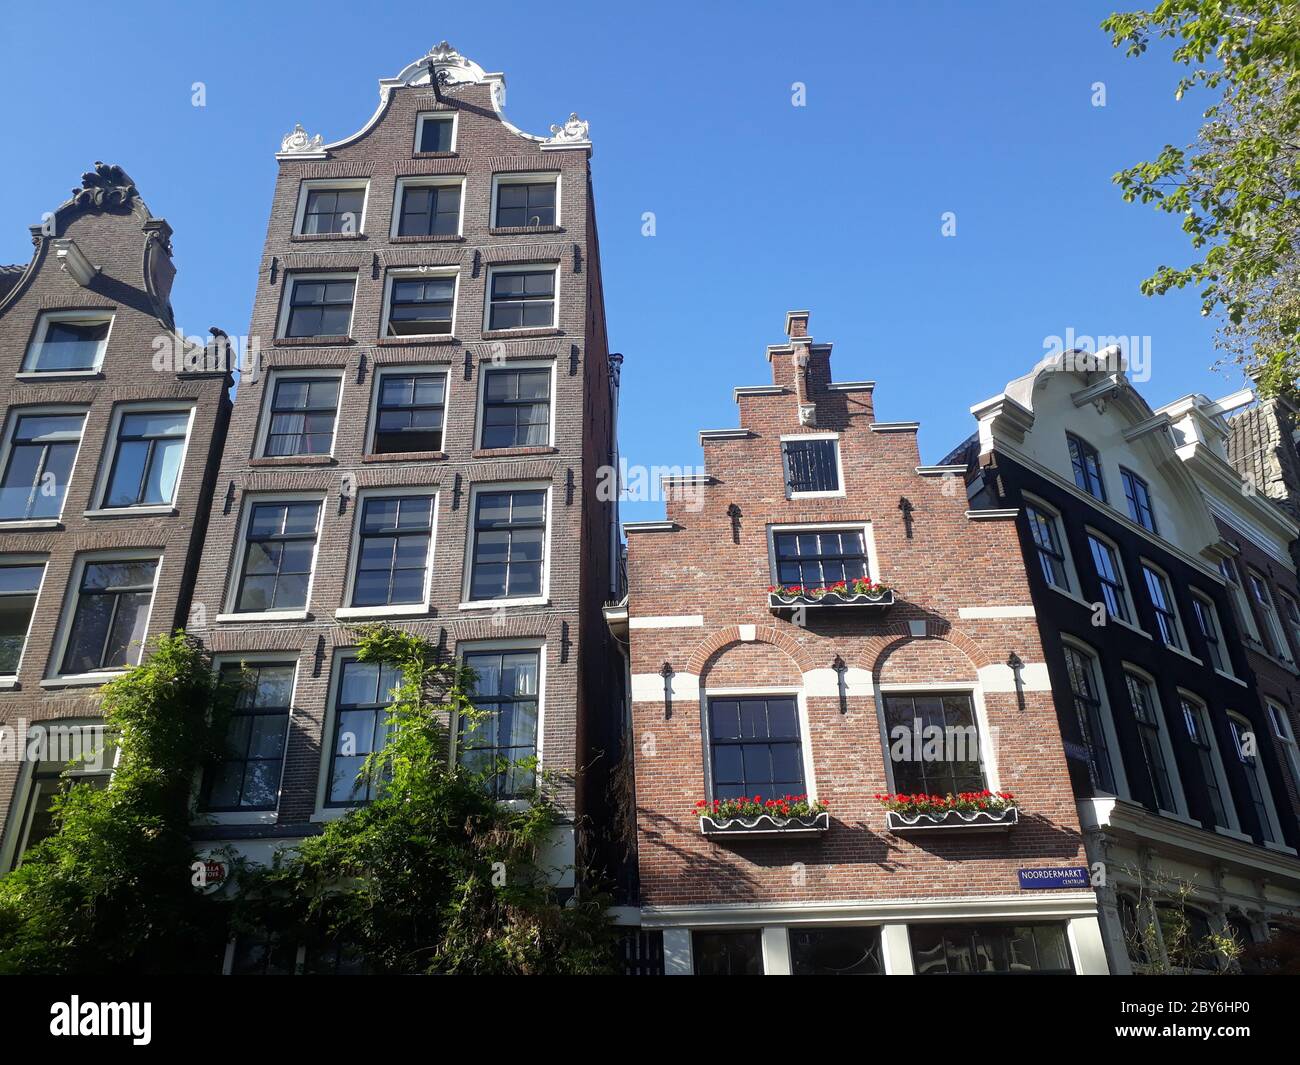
68	342
812	465
435	133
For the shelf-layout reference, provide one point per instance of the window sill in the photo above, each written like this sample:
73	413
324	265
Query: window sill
1129	625
161	511
417	338
293	460
53	375
1180	818
506	334
1231	677
310	342
42	523
506	452
434	155
234	817
1232	833
1185	654
268	615
407	456
8	683
331	813
430	238
496	604
312	238
1281	848
838	493
402	610
511	231
82	680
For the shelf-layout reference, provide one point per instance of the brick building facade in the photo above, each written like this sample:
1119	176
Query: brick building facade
112	432
421	445
812	482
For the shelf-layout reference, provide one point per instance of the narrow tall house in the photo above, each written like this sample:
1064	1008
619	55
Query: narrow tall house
421	445
821	616
112	433
1131	527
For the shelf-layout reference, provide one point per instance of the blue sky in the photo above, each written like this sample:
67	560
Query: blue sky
913	109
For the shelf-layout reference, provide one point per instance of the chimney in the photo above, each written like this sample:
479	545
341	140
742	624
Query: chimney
796	324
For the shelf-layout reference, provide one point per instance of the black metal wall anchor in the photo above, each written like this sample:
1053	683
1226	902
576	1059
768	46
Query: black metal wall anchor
361	367
568	488
565	642
905	505
733	512
469	365
1017	666
840	669
573	360
455	492
319	663
478	263
577	258
230	498
374	266
667	673
275	263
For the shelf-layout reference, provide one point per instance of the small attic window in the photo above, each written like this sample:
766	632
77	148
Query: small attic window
68	342
435	133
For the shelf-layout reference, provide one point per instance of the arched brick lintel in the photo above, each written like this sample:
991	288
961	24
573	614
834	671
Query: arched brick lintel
878	644
721	639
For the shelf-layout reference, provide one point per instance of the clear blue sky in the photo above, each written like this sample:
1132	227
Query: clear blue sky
913	109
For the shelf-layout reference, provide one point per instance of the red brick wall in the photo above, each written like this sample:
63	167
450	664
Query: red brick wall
950	562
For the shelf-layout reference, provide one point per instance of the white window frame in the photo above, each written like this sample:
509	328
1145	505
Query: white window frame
10	680
466	603
252	817
293	278
1262	782
354	555
1285	615
406	370
420	271
310	185
43	324
973	689
1208	603
1113	750
1280	725
17	828
7	446
438	116
99	495
1145	563
1231	573
1118	558
322	812
56	677
839	465
511	268
526	643
424	182
1075	591
707	695
1166	743
249	501
488	367
1216	760
264	415
864	527
536	177
1268	610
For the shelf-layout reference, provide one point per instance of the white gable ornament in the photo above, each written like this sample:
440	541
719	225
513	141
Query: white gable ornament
297	142
573	131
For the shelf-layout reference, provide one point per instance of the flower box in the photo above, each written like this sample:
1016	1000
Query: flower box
880	600
952	820
766	825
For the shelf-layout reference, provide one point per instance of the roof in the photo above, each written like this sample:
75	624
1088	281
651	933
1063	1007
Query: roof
1262	451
